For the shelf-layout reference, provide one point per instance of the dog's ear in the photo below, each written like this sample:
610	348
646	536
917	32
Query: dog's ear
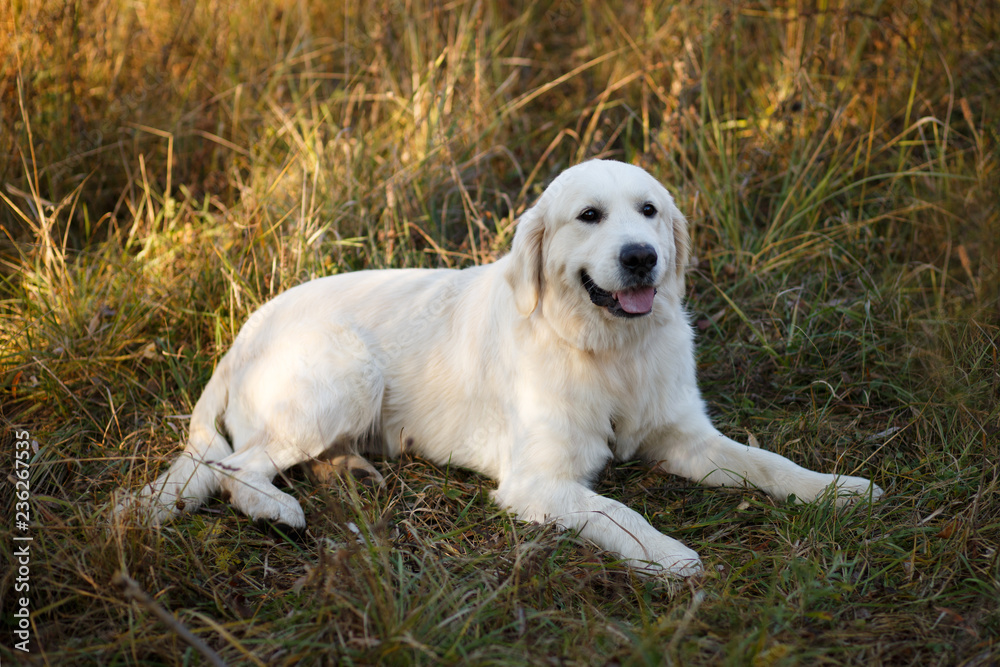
524	271
682	245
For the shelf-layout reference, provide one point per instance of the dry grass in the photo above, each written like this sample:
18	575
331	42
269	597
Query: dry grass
168	168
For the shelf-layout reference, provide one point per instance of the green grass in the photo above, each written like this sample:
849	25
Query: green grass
167	169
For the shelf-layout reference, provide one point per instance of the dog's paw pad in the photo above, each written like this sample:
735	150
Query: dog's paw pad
367	477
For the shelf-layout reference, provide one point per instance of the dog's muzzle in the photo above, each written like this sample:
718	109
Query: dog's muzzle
630	302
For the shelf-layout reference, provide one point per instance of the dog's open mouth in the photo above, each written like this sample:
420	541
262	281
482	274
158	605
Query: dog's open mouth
632	302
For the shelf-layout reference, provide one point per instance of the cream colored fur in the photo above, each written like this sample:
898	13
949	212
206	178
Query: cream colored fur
509	369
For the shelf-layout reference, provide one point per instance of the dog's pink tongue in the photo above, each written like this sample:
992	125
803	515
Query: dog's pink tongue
636	301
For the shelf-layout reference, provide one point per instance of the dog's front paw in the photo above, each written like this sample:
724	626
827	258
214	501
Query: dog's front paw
854	489
682	567
845	489
671	559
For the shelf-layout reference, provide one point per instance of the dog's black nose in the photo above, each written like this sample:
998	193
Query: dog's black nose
638	258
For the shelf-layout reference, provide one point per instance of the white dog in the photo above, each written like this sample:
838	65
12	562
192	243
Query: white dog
535	370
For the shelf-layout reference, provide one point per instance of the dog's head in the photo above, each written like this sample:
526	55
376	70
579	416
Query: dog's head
603	249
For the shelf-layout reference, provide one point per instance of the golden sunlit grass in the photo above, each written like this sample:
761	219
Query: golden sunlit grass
168	168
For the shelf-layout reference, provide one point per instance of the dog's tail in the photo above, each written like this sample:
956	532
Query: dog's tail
190	479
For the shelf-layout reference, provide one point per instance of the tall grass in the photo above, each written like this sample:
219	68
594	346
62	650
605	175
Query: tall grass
168	168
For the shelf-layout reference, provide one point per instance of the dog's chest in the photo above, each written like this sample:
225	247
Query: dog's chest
640	398
616	394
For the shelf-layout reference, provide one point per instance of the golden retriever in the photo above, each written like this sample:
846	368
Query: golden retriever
536	370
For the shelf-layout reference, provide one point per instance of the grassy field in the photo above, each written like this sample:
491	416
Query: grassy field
165	168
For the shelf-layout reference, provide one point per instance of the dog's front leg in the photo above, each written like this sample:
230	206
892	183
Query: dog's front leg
697	451
608	523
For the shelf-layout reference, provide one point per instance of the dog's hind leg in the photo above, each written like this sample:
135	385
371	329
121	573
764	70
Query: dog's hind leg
246	478
326	471
290	407
190	479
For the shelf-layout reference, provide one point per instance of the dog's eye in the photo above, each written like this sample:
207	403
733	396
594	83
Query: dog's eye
589	215
648	210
